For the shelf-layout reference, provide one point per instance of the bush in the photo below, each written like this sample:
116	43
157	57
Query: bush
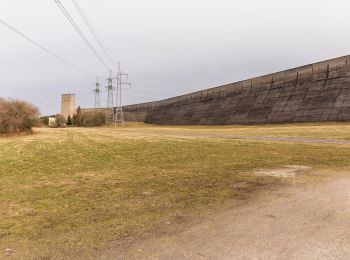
92	118
69	121
17	116
60	120
44	120
76	120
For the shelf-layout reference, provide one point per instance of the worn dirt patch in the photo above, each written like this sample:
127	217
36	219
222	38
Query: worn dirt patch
287	171
240	185
302	222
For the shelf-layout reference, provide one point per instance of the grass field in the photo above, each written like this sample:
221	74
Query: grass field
70	192
333	130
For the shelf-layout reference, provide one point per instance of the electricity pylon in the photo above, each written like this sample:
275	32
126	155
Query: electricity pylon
110	104
97	92
119	116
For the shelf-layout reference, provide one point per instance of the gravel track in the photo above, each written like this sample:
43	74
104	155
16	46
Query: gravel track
298	223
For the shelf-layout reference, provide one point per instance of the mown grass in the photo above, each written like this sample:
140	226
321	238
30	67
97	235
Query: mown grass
72	191
332	130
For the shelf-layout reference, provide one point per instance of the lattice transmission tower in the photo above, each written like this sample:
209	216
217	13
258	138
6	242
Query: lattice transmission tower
97	92
110	103
119	116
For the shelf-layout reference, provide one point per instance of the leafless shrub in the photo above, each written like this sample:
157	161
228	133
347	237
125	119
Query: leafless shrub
92	118
17	116
76	120
60	120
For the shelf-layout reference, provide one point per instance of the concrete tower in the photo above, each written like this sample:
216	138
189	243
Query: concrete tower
68	105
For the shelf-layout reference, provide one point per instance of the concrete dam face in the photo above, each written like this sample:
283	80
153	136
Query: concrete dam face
314	93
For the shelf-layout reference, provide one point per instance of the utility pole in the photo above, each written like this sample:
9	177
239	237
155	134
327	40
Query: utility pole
97	93
119	116
110	105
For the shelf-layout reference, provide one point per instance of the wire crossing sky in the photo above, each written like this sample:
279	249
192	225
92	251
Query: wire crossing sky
45	49
82	35
92	30
168	47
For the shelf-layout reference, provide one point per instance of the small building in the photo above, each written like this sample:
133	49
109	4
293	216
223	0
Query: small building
52	122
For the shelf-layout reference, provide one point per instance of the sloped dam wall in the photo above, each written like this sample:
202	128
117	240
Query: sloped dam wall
313	93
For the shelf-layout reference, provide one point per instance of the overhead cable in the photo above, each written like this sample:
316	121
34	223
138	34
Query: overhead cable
76	27
92	30
45	49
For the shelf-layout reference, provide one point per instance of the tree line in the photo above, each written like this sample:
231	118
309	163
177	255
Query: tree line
80	119
18	116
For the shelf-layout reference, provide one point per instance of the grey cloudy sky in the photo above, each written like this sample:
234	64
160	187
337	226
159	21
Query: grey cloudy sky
168	47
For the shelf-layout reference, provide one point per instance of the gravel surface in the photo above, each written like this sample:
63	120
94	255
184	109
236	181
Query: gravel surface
310	222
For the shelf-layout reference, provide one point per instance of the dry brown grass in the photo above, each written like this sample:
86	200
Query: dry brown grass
330	130
70	192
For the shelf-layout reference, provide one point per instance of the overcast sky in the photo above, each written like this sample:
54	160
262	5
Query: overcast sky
168	47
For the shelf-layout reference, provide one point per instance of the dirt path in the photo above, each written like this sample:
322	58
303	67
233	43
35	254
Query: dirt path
303	222
278	139
243	137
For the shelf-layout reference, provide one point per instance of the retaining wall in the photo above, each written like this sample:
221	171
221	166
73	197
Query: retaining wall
314	93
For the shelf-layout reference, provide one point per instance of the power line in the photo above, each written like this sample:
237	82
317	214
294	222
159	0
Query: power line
91	28
110	104
119	115
45	49
76	27
97	93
